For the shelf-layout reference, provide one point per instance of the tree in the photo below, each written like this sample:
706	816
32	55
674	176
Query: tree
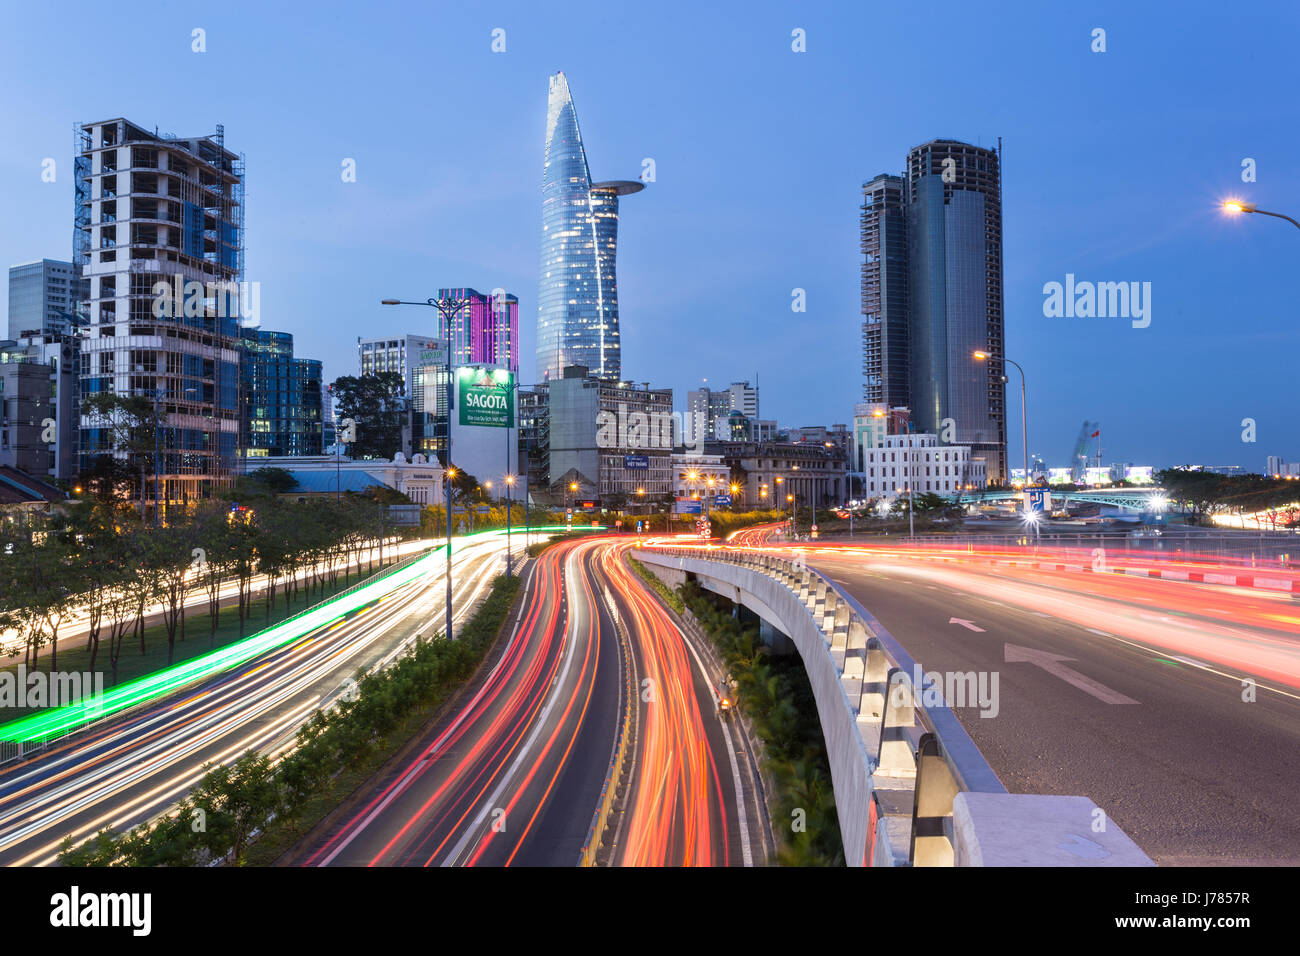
132	423
276	481
375	403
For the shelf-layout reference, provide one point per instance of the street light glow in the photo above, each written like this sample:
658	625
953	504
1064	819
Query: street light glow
1235	206
980	355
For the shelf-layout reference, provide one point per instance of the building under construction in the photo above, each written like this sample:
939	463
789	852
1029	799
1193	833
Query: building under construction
159	238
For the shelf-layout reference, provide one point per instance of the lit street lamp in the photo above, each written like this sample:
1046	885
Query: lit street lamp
1024	413
1235	207
447	309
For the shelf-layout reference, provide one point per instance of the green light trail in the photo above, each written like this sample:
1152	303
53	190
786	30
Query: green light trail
58	720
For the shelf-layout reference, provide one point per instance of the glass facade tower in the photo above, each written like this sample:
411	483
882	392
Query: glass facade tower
577	301
932	295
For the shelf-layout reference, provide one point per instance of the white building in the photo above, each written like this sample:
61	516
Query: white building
920	463
1277	468
708	411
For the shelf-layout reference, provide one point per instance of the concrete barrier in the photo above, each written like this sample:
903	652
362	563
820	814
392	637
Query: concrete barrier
911	788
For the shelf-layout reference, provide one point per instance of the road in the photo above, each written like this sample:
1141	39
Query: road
513	775
135	768
1127	690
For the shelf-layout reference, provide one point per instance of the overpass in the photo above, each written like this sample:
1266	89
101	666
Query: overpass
911	788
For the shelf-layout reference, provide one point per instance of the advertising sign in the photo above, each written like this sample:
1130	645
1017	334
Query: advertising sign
486	397
636	461
689	506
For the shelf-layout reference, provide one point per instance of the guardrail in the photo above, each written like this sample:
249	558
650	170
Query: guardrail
11	750
911	787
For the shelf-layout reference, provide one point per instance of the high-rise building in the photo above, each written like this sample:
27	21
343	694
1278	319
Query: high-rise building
281	397
485	330
158	236
932	295
45	298
577	301
709	411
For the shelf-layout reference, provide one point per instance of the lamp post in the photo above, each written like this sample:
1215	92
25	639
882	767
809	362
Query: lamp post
1235	207
1024	408
447	309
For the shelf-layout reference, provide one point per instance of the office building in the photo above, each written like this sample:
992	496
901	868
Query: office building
709	412
485	329
159	241
57	354
577	301
616	435
932	295
45	298
281	397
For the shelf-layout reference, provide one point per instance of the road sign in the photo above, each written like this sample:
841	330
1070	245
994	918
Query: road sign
638	526
404	516
689	506
618	524
721	500
483	509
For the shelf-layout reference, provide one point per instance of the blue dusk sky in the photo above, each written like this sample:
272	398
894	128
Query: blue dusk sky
1114	165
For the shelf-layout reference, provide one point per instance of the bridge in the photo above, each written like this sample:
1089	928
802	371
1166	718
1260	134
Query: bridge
1132	499
911	788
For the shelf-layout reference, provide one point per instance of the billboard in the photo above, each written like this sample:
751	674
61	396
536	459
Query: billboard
486	397
689	506
636	461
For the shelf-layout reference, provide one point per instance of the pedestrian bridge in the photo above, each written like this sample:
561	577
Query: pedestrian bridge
911	788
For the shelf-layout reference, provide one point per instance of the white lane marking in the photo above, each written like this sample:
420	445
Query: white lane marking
1054	664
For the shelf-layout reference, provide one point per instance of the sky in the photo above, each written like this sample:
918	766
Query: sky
1114	165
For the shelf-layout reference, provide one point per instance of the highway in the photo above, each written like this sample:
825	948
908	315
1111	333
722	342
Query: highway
130	770
1125	689
513	774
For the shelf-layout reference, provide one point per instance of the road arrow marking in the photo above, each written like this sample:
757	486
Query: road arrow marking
966	624
1054	664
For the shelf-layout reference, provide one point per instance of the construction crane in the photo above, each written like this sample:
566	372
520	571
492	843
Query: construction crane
1079	459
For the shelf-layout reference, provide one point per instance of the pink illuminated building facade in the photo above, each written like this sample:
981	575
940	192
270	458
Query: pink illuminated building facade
486	331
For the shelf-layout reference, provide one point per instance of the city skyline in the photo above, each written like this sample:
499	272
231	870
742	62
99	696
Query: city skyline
1100	217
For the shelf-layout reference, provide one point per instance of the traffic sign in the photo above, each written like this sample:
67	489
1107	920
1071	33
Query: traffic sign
721	500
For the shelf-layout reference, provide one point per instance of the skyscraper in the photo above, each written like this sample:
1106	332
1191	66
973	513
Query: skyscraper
485	330
158	235
932	295
577	301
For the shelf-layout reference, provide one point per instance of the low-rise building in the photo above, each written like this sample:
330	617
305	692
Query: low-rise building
810	471
919	463
420	479
697	476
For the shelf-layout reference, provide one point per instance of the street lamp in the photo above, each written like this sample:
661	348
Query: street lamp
510	483
448	310
1235	206
1024	408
